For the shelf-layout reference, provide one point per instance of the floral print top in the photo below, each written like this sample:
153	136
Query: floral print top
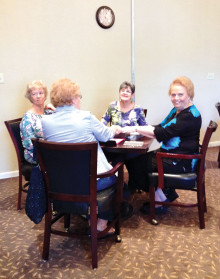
30	127
134	117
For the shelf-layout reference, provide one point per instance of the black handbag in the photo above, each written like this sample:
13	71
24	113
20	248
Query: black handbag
36	197
36	202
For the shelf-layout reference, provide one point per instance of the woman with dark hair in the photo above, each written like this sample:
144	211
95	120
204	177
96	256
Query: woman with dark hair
126	113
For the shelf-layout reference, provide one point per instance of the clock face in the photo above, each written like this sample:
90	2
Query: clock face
105	17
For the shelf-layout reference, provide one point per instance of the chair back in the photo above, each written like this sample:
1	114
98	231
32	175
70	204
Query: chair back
210	129
217	105
69	169
13	127
24	167
70	177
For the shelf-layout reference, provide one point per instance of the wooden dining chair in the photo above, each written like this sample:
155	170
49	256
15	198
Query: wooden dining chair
70	176
217	105
24	168
188	181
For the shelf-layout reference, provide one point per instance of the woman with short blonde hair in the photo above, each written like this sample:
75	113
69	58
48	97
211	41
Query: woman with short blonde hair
30	126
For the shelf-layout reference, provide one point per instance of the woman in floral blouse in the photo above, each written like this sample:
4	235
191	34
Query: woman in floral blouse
30	126
126	113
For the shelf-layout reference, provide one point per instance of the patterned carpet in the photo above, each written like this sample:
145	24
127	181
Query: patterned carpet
176	248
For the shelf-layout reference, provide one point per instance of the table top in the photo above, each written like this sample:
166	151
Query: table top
130	144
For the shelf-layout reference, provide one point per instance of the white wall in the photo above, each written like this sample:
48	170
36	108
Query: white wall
52	39
178	38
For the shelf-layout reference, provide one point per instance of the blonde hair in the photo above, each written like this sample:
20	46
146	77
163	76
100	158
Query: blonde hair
63	92
185	82
33	85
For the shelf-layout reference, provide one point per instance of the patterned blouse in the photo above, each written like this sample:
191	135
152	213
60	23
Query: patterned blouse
30	127
134	117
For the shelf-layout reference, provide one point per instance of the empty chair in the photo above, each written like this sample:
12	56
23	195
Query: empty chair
188	181
70	175
24	167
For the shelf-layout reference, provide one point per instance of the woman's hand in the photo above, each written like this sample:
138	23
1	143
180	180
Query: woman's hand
50	106
118	129
129	129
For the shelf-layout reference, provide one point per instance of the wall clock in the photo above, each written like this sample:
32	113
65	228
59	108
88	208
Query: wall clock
105	17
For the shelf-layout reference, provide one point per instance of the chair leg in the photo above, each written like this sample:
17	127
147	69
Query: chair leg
19	192
117	208
204	197
118	222
152	205
93	227
201	207
67	222
47	233
219	158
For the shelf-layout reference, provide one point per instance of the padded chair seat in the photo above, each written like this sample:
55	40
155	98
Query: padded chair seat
104	197
185	181
179	181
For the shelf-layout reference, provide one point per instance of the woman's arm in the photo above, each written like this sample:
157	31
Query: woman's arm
147	131
50	107
107	116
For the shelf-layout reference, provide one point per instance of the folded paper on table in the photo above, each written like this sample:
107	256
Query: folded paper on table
117	140
133	143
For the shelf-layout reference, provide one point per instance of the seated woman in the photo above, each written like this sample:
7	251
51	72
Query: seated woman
126	113
70	124
179	133
30	126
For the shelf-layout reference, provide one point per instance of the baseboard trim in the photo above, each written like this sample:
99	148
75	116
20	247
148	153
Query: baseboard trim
9	174
214	144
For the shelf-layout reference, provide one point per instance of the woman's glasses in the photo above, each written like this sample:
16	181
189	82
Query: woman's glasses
36	93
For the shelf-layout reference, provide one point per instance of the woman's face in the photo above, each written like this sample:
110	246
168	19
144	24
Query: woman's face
179	97
125	94
38	96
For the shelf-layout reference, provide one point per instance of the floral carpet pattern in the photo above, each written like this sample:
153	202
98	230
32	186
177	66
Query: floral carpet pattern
176	248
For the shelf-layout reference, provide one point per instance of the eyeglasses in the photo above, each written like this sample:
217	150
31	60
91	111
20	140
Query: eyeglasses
125	90
40	93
